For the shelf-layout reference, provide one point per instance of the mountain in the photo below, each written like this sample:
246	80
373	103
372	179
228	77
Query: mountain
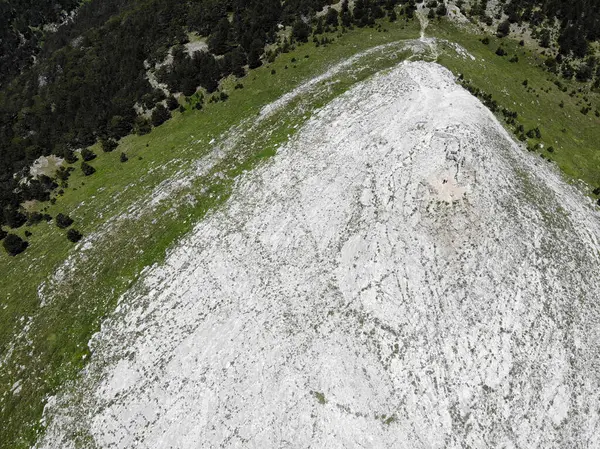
401	274
251	223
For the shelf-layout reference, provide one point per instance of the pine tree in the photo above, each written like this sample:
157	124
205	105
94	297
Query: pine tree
63	221
331	18
107	145
87	169
218	41
256	51
238	61
300	31
13	218
160	115
74	235
88	154
172	103
345	15
13	244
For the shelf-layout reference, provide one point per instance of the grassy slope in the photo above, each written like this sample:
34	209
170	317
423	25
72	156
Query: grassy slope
574	136
55	347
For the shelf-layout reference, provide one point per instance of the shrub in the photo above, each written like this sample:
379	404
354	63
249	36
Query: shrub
123	157
107	145
3	234
63	221
223	96
13	244
74	235
501	52
87	169
87	154
485	40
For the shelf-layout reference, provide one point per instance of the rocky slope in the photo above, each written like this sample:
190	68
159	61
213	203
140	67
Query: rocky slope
400	274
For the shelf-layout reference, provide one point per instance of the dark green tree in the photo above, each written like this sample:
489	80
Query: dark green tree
188	86
256	51
13	244
345	14
331	18
238	61
160	115
87	169
300	31
74	235
63	221
107	145
218	41
503	29
88	154
172	103
13	218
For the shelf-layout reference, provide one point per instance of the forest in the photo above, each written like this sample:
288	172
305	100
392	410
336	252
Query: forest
579	20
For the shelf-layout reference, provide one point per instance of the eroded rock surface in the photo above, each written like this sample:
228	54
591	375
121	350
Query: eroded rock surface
400	275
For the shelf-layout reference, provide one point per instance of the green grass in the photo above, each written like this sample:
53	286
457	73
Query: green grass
54	348
574	136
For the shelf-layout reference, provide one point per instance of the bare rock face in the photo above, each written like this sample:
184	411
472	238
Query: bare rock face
400	275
